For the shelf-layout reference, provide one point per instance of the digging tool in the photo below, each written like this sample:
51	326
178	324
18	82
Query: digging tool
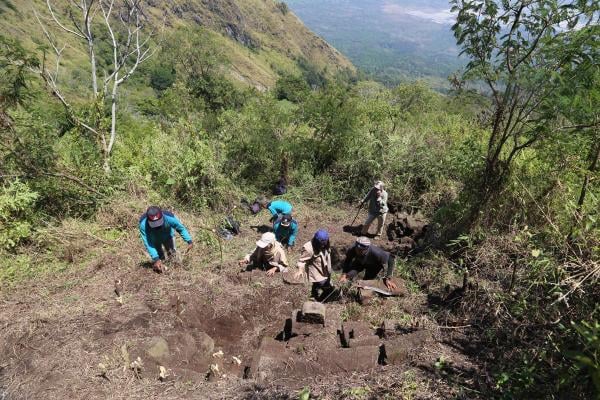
376	289
360	208
358	212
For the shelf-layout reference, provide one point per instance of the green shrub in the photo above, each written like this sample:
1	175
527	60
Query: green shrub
16	211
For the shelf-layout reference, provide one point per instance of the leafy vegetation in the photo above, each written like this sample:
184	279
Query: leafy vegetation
509	175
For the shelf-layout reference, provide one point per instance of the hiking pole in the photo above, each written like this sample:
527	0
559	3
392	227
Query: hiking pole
358	212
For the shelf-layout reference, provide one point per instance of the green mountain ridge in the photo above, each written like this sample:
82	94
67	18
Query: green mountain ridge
261	39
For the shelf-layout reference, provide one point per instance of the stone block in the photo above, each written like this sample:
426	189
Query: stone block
313	312
355	331
389	328
290	278
267	360
349	360
400	350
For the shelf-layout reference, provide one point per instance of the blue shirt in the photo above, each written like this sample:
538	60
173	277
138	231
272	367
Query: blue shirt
155	237
286	234
279	207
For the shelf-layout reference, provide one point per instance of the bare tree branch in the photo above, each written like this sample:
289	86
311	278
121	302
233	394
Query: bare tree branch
60	24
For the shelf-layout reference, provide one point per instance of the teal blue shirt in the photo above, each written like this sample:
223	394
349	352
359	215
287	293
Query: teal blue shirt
155	237
286	234
279	207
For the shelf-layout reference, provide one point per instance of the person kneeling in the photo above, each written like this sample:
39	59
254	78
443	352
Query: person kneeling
364	256
315	262
286	230
268	255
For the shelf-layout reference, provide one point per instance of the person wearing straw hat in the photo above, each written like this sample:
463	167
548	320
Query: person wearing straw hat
378	208
268	255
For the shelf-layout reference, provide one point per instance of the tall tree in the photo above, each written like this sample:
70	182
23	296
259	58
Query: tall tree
519	49
124	29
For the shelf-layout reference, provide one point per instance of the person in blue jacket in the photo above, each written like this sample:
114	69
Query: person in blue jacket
157	229
277	208
286	230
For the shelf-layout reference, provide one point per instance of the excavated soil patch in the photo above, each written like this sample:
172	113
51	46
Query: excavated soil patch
215	331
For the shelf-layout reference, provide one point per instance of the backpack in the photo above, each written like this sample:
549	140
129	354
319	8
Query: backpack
255	208
280	187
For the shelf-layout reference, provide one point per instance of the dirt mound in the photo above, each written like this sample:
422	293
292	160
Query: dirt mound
406	229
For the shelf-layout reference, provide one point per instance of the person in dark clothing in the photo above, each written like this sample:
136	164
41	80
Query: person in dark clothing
364	256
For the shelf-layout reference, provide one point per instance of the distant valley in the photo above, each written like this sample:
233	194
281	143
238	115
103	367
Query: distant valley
392	40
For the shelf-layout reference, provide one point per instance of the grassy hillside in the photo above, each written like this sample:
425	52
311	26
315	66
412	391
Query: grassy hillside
261	39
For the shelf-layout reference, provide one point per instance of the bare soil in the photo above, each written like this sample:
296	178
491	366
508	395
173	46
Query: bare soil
218	332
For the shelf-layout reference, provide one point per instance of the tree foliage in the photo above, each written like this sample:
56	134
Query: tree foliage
521	51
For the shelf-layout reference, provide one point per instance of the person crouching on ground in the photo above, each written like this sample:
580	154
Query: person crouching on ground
277	208
364	256
378	208
157	230
315	262
286	230
268	255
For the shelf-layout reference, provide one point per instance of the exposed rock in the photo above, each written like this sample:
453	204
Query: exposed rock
347	360
355	332
159	349
403	347
290	278
313	312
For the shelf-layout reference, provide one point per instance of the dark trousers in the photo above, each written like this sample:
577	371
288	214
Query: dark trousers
168	246
325	286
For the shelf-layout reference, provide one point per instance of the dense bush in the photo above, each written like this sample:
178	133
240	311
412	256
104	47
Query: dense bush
16	205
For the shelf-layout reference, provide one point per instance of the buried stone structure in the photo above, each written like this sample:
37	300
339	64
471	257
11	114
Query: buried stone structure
309	346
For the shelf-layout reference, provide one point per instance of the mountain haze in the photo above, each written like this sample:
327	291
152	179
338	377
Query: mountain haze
393	40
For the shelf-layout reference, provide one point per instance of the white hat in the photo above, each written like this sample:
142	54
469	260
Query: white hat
363	241
378	185
266	239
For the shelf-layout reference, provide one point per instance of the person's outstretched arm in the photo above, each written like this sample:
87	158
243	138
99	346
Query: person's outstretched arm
293	234
151	249
180	228
367	196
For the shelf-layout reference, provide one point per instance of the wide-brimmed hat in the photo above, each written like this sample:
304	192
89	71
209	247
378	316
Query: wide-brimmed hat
155	217
266	239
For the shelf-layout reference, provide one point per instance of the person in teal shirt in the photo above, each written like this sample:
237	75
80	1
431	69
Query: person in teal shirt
277	208
286	230
157	230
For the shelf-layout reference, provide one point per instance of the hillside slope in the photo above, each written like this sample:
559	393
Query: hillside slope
261	38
